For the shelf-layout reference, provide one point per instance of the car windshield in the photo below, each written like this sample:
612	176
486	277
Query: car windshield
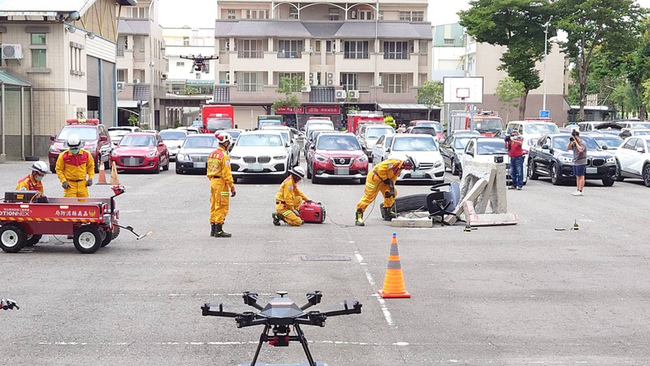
321	125
234	134
488	124
560	143
490	147
541	129
640	133
375	133
415	143
270	122
138	140
117	134
338	142
460	143
172	135
84	133
259	140
200	141
612	142
437	126
425	130
215	124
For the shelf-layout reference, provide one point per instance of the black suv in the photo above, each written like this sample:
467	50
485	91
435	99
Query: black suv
550	157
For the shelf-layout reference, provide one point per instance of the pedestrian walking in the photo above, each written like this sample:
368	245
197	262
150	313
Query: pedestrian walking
75	168
579	149
222	186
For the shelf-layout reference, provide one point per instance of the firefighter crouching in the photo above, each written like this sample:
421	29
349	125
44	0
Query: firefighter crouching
222	186
33	182
382	178
75	168
289	198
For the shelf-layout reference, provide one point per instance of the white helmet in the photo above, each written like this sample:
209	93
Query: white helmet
40	167
298	172
223	137
74	141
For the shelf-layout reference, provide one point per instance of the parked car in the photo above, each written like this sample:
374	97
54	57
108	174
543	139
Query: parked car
633	159
336	155
191	130
380	150
435	124
320	124
311	138
423	130
194	152
173	139
485	150
141	151
291	144
259	153
605	141
452	150
550	157
369	134
627	132
234	133
424	149
93	135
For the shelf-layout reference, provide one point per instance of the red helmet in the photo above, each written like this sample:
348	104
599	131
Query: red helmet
223	137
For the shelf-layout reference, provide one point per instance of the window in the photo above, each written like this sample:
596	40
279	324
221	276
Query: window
365	14
38	50
355	49
350	81
186	41
328	46
395	83
293	12
297	76
289	48
318	46
630	144
256	14
75	59
449	41
411	16
250	48
38	38
250	81
394	50
180	63
230	14
121	75
424	47
333	14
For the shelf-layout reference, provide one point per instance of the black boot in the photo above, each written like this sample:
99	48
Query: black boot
213	229
359	218
219	233
276	219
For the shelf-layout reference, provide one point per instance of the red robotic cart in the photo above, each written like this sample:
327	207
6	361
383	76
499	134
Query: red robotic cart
25	216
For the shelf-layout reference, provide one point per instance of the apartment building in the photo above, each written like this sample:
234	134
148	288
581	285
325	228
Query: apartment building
366	54
141	65
58	62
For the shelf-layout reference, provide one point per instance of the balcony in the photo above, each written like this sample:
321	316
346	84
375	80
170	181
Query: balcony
285	54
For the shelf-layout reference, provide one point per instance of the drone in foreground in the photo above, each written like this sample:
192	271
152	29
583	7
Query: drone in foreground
279	316
7	304
199	62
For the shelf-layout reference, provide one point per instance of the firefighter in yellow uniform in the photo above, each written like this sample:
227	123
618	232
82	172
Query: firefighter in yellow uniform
75	168
222	186
32	182
289	198
382	178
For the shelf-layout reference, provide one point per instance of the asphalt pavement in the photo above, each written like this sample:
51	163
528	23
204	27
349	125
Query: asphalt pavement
517	295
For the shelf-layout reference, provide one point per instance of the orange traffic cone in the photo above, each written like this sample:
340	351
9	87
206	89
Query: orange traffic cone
102	175
394	281
114	180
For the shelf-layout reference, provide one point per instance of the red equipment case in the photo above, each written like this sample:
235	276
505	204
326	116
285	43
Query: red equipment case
313	212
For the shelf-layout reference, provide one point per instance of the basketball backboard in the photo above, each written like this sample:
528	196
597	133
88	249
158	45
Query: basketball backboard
462	90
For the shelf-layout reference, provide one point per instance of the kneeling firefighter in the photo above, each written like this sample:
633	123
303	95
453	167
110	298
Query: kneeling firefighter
289	198
382	178
33	182
222	186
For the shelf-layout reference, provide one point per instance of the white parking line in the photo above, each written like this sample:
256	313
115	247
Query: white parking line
373	284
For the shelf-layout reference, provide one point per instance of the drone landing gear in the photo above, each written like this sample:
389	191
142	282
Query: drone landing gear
281	338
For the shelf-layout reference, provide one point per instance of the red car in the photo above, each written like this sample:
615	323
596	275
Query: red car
141	151
336	156
94	136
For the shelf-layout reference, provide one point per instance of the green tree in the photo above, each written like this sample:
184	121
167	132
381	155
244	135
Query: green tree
133	120
288	86
639	68
509	92
611	24
518	25
430	94
190	90
389	120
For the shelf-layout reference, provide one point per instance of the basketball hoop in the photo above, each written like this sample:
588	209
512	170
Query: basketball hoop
462	93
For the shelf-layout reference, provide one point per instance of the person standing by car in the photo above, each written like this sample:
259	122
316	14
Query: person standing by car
75	168
32	182
382	178
516	153
579	148
289	198
222	186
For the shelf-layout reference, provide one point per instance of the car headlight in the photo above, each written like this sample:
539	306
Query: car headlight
182	157
234	157
151	153
566	159
280	157
362	158
320	157
611	160
53	149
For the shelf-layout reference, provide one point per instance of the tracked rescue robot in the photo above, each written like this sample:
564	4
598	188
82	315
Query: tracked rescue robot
279	316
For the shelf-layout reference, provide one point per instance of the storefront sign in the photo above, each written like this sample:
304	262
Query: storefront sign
323	110
289	110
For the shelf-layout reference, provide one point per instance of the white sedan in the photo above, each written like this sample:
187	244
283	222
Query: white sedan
422	148
485	149
379	152
633	159
259	153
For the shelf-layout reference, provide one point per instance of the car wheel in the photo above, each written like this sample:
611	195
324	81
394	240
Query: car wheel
314	179
156	170
608	182
108	237
178	170
166	166
618	176
531	171
87	239
308	173
454	169
555	175
646	175
116	232
32	240
12	238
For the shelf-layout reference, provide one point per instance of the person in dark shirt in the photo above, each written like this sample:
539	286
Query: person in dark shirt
579	149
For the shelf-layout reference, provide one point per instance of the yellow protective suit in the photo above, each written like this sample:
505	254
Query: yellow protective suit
74	169
386	170
29	184
221	185
289	198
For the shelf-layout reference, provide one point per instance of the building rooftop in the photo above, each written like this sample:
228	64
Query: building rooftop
49	7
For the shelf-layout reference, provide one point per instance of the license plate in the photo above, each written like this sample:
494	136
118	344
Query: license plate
342	171
200	165
256	167
417	174
132	161
592	170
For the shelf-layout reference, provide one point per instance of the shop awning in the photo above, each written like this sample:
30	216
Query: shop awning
405	106
127	104
8	79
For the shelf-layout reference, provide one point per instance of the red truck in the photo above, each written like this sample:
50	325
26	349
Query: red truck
218	117
354	119
487	123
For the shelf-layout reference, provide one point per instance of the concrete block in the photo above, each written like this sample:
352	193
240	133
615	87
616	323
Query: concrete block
411	222
494	219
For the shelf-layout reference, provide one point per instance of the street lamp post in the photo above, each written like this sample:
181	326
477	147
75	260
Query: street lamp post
545	54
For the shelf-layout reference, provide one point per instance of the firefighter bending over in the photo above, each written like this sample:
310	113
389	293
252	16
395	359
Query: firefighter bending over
289	198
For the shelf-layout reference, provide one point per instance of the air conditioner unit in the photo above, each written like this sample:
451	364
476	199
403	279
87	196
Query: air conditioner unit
330	82
353	94
306	88
330	76
340	94
120	85
136	81
313	78
12	52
